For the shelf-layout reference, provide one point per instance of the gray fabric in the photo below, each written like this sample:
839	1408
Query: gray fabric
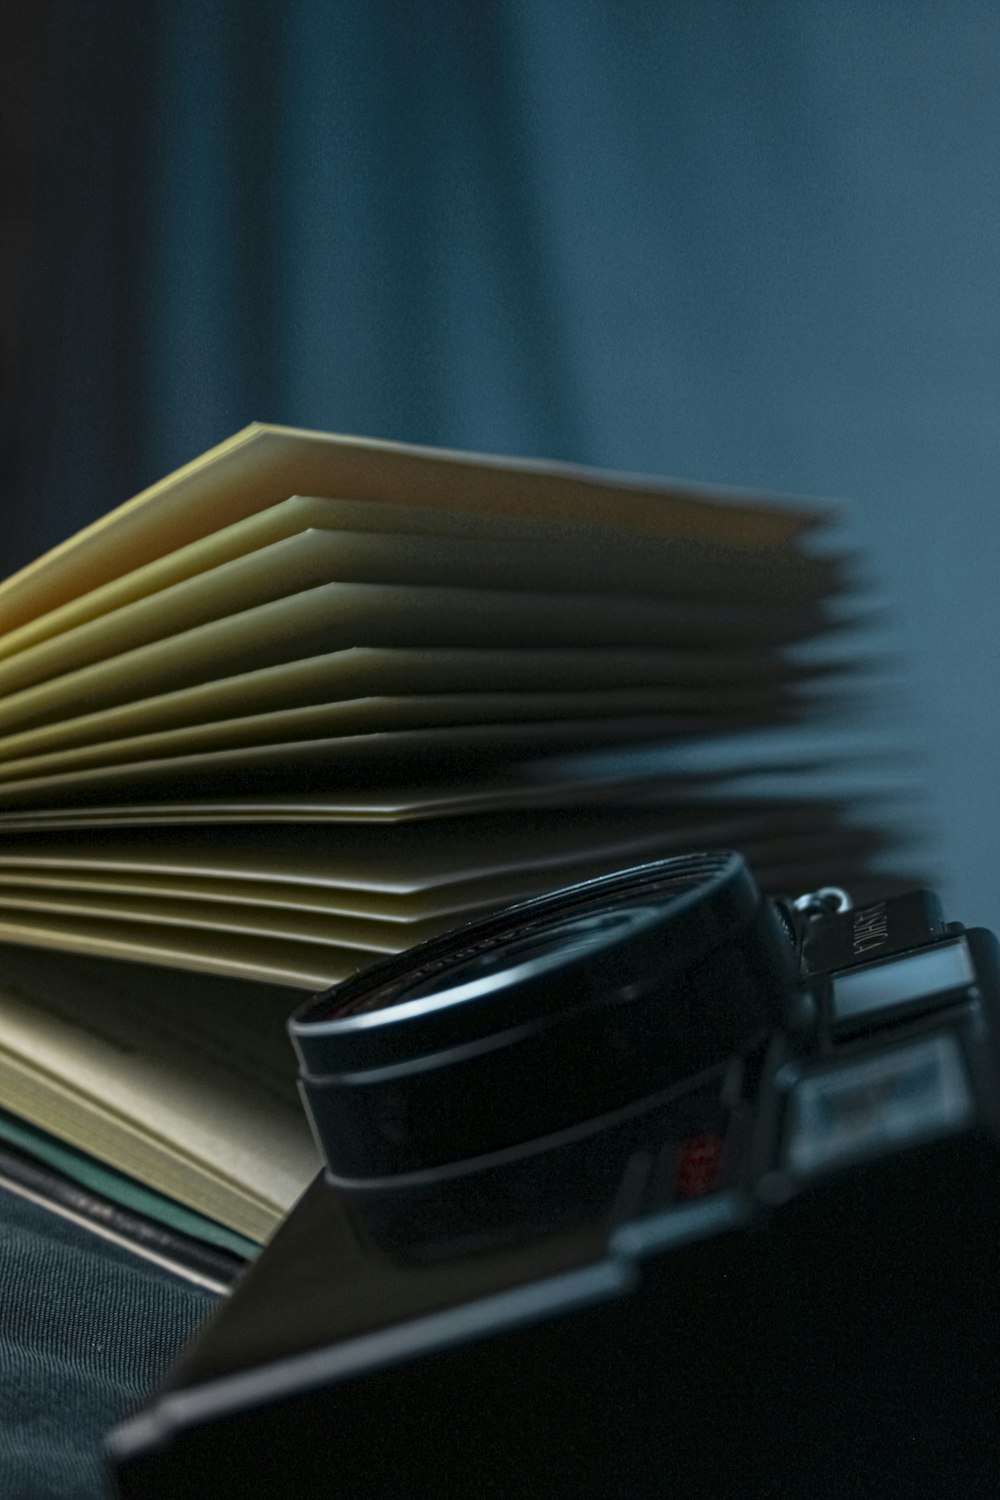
86	1330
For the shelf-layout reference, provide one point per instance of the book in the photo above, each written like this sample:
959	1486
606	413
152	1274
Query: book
312	699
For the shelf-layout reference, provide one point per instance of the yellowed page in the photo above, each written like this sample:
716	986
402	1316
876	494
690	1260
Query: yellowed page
314	558
308	913
181	1081
308	966
397	858
548	555
263	465
59	1109
323	761
380	801
696	680
297	962
371	716
126	905
756	832
409	910
336	616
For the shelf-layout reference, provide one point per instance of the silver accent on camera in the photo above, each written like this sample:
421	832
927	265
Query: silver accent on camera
829	900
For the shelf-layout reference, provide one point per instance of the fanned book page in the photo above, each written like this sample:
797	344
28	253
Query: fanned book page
312	699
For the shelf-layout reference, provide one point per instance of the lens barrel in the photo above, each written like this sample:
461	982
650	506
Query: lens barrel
556	1011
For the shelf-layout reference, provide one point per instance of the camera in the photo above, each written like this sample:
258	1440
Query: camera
655	1185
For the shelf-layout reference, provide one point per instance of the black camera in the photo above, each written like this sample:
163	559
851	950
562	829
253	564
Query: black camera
651	1186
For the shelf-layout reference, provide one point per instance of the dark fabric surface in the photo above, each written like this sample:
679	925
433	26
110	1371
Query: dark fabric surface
86	1330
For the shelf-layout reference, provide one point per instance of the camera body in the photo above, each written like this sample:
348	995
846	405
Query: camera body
651	1186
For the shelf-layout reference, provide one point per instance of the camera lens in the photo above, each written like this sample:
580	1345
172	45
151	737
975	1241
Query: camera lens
502	965
556	1011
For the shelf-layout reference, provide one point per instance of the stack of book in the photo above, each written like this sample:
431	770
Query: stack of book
310	700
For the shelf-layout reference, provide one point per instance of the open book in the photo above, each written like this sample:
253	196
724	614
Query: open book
310	700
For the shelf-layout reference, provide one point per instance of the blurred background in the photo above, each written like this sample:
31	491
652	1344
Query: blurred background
749	244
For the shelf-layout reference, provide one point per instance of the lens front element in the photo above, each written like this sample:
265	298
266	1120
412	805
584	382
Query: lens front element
554	1012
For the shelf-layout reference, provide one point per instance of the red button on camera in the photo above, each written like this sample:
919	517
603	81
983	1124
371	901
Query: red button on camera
698	1164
